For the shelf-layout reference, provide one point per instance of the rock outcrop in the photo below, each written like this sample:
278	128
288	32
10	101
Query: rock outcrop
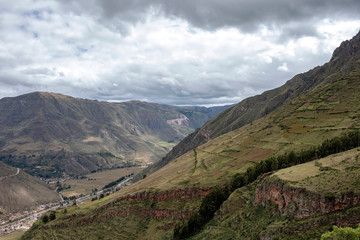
300	203
116	209
168	195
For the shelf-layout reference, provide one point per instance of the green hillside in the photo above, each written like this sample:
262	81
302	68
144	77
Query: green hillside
328	180
46	132
326	110
21	191
345	59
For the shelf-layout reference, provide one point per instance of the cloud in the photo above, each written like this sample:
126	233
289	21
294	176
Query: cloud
283	67
246	15
175	52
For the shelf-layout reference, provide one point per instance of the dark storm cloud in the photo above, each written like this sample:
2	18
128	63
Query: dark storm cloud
176	52
246	15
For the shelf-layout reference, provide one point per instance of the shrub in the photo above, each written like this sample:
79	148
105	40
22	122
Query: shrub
45	219
339	233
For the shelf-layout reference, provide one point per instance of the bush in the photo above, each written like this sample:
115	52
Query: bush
212	202
339	233
45	219
52	216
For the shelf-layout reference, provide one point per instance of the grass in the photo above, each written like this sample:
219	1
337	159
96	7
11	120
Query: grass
140	224
335	174
238	218
235	151
16	235
97	180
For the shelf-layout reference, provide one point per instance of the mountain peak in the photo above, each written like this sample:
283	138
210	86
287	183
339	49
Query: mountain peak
348	48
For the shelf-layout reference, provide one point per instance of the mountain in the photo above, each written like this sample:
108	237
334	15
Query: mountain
20	191
47	132
343	61
298	202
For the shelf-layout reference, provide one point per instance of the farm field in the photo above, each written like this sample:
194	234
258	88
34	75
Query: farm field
96	180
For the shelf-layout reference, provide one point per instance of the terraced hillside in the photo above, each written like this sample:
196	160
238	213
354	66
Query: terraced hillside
20	191
47	133
328	110
345	59
300	202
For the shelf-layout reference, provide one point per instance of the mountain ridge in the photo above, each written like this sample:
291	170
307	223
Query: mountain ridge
82	135
326	111
255	107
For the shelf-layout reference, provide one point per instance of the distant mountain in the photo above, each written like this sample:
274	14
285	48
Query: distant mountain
343	61
48	133
300	202
20	191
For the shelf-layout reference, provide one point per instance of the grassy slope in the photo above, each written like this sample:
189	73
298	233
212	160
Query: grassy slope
307	121
23	191
344	60
6	170
134	226
12	236
238	218
325	112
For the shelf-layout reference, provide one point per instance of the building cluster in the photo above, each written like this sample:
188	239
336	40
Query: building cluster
22	225
23	221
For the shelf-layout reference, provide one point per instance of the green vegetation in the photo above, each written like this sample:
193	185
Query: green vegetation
212	202
318	105
113	183
340	233
92	182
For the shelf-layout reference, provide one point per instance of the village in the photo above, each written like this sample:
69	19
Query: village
24	221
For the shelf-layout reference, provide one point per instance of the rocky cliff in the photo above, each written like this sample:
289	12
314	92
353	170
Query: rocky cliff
133	205
300	203
168	195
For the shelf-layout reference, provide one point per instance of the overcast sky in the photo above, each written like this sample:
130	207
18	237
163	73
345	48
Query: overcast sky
183	52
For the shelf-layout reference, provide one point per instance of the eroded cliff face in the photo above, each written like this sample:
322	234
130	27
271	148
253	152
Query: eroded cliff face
300	203
133	204
168	195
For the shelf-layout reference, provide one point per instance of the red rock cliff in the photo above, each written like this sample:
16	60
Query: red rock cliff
300	203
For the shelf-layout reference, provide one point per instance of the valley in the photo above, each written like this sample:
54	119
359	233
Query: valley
97	180
49	134
289	173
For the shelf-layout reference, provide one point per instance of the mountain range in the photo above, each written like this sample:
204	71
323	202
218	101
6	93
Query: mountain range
343	61
49	134
274	166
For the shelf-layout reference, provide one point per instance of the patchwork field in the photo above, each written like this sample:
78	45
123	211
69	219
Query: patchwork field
96	180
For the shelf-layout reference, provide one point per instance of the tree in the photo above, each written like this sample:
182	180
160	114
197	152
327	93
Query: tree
52	216
45	219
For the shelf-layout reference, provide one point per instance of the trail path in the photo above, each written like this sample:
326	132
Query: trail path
11	175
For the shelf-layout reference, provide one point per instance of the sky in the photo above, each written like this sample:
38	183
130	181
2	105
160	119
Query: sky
179	52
